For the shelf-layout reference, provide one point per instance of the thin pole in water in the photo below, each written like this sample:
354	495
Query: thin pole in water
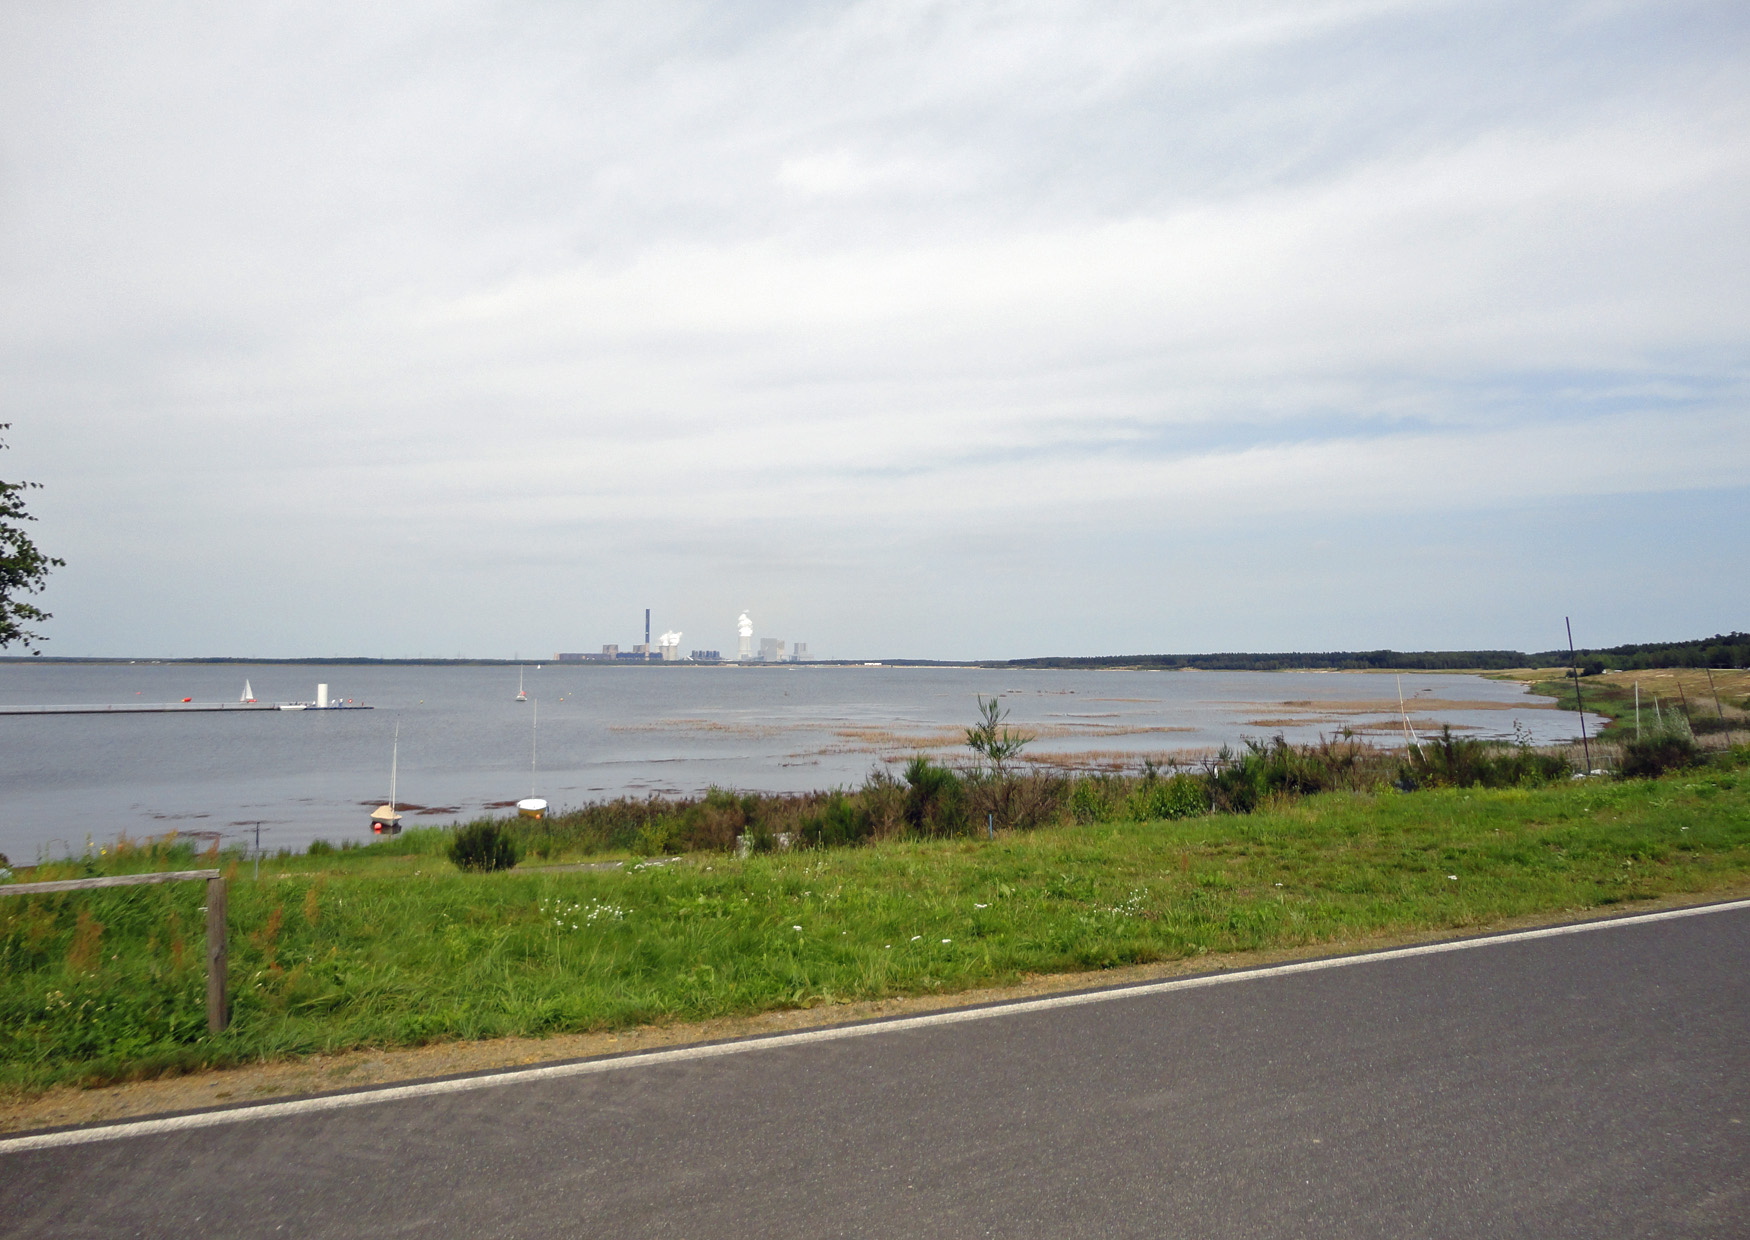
1574	665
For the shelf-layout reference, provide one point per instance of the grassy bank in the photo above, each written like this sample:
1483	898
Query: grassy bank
1712	702
390	945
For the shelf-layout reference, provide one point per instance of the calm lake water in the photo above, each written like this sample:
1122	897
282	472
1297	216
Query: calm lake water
608	731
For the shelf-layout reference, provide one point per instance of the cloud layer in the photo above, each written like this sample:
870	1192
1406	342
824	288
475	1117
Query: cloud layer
939	330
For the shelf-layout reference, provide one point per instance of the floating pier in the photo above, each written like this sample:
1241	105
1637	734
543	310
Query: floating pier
168	708
185	707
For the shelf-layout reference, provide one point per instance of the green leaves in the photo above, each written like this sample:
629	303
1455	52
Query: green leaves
483	846
992	740
23	568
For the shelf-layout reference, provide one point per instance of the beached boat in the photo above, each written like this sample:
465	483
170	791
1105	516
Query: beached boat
384	819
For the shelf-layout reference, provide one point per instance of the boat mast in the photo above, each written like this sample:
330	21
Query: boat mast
394	765
534	739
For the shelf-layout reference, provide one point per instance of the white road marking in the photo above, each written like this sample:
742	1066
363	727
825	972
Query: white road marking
518	1076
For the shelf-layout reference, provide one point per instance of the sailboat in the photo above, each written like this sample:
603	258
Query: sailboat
248	693
520	695
533	806
384	818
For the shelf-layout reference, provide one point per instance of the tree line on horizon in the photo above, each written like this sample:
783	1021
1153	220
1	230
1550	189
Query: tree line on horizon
1727	650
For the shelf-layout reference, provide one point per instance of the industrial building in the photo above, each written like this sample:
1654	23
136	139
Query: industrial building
667	649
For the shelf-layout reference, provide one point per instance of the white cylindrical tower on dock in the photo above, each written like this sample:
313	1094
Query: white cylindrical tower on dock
321	695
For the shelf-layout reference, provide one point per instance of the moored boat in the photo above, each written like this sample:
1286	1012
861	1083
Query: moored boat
384	819
533	806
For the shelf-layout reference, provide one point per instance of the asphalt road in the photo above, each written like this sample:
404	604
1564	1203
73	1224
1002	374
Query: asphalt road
1584	1085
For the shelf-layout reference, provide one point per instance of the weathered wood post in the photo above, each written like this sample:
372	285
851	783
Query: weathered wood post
218	1014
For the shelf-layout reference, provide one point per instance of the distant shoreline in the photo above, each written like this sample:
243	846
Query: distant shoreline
1720	651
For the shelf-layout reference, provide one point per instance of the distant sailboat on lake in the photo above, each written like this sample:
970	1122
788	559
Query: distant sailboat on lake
520	695
385	819
248	693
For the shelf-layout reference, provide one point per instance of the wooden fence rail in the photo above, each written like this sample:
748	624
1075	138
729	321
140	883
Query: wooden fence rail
218	1012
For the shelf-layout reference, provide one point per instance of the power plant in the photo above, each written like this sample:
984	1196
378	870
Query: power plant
771	648
667	649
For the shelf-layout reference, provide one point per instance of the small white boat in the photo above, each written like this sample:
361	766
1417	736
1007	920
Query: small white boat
248	693
533	806
384	819
520	695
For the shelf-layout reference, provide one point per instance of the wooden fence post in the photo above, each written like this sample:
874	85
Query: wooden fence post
218	1015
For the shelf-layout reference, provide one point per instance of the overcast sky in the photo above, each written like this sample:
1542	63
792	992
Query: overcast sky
958	330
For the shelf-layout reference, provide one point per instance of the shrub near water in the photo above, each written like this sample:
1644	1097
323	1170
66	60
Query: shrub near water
931	799
1651	756
483	846
1449	761
1181	796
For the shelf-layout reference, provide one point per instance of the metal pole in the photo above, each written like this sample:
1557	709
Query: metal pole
218	1013
1574	663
